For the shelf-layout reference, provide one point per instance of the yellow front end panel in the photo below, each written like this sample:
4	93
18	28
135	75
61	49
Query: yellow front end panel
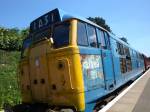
65	78
25	81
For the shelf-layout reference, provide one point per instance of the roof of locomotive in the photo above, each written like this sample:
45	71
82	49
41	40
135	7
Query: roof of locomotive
66	16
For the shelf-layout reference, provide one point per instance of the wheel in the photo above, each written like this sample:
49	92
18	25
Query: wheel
21	108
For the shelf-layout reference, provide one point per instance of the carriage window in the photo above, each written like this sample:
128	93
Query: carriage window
125	59
132	53
98	37
101	38
127	52
82	36
128	59
103	44
137	55
141	56
120	48
123	66
92	36
106	39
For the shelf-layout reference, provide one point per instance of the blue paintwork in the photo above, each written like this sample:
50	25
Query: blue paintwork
108	69
89	50
112	73
116	62
111	70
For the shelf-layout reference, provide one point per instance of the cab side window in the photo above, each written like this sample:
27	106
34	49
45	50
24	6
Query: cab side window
92	36
82	35
107	40
103	39
103	44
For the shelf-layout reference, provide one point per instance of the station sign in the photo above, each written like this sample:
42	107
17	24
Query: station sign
45	21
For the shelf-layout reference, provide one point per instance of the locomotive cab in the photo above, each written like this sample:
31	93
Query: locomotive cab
49	70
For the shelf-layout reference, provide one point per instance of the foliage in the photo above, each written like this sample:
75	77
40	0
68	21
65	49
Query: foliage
11	39
124	39
100	21
9	92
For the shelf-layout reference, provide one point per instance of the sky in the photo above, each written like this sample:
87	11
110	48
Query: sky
127	18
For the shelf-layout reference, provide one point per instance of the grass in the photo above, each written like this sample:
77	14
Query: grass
9	91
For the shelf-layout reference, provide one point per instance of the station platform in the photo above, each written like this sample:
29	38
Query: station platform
136	98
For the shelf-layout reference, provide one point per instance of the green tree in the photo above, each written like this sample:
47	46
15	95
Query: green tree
100	21
11	39
24	33
124	39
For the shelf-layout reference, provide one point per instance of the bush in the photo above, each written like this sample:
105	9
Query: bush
9	91
11	39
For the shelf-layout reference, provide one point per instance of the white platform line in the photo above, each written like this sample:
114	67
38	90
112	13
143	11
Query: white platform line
110	104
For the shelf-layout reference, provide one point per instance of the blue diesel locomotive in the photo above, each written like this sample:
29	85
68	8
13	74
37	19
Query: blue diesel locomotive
70	62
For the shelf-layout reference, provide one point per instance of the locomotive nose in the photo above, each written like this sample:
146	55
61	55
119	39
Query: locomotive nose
59	75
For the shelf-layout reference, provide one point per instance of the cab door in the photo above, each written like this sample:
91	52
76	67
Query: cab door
107	59
39	73
108	69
